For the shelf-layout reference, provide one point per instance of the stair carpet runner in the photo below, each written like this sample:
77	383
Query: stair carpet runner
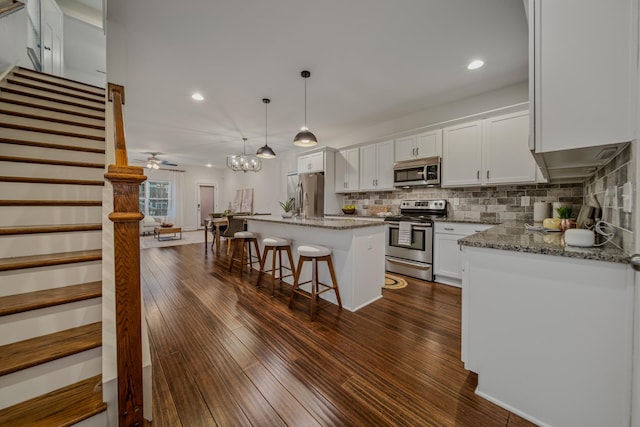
52	158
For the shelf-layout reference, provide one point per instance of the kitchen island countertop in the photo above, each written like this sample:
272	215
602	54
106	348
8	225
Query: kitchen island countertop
512	236
331	223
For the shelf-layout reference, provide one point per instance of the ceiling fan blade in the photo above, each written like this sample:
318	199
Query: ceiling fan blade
167	163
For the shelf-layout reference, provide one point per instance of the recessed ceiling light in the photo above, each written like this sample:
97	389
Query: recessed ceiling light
197	97
473	65
209	165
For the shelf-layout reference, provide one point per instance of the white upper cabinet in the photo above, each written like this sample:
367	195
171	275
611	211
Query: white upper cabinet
505	145
347	170
311	162
489	151
428	144
376	166
462	154
583	56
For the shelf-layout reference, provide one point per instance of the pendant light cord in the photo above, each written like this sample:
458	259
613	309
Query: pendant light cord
265	123
305	104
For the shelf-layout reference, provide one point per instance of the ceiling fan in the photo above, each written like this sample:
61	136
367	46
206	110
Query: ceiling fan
154	162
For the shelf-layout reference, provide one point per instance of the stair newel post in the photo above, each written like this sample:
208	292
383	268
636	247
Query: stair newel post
126	218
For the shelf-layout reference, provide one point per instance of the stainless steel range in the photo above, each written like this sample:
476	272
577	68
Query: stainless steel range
409	238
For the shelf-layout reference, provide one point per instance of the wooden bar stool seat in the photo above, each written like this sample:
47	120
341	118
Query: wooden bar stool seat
238	251
314	253
276	245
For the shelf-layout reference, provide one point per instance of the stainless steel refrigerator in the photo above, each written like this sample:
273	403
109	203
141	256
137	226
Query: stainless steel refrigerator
311	194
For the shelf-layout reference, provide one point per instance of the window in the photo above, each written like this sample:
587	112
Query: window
155	198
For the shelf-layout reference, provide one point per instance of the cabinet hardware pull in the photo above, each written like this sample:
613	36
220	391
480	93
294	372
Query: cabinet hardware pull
635	261
487	173
478	175
417	151
449	228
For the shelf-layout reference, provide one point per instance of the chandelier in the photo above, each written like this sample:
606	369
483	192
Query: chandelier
244	162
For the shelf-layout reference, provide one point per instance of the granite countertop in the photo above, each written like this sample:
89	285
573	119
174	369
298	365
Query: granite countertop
335	224
513	236
467	221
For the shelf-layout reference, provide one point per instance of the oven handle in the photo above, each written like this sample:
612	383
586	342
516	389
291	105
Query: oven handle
413	225
418	265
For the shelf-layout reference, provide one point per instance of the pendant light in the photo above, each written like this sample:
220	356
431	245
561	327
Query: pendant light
305	138
265	152
244	162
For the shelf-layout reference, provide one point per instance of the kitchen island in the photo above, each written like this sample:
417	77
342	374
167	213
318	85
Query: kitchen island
547	327
358	253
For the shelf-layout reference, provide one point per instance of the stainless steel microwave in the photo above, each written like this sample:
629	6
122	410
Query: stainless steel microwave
416	173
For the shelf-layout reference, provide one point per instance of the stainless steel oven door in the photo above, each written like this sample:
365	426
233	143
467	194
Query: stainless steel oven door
421	246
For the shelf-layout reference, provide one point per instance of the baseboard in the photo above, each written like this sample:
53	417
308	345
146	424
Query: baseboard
511	409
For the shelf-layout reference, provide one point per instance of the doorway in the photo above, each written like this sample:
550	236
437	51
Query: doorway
206	203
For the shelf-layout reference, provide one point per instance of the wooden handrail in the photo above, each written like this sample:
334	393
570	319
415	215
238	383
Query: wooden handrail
126	243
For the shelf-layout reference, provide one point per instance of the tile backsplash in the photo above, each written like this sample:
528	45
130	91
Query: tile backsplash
502	203
606	186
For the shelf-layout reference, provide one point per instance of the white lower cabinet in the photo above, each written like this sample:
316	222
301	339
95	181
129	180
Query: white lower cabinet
447	257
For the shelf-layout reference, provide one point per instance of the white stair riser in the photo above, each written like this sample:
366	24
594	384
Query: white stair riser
57	97
22	109
51	104
56	80
55	276
52	126
31	152
36	323
98	420
25	191
29	383
37	170
56	215
53	86
26	135
47	243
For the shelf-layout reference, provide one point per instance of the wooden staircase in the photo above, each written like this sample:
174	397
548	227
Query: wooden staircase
52	164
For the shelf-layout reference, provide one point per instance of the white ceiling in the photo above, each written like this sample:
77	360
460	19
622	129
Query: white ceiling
370	61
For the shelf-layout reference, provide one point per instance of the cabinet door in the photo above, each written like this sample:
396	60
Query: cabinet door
384	175
584	66
347	171
505	142
462	154
405	148
303	164
311	163
429	144
447	256
353	169
368	166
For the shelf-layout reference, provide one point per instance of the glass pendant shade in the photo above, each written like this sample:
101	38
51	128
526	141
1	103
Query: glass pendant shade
244	162
265	152
305	138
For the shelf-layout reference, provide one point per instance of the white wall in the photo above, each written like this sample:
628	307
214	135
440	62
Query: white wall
85	52
268	186
13	40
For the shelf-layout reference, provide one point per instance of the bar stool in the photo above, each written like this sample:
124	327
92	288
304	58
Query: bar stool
240	238
314	254
277	245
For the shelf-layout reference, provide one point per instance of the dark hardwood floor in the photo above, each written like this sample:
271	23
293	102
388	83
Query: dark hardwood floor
225	353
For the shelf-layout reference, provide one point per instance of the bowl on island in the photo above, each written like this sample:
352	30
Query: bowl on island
349	211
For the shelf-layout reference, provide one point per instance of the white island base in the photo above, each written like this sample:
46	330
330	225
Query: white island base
358	254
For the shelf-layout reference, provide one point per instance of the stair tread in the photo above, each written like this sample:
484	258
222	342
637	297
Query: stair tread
50	202
32	261
54	106
19	91
35	351
51	162
37	229
63	407
11	125
51	180
20	303
61	81
55	88
34	116
51	145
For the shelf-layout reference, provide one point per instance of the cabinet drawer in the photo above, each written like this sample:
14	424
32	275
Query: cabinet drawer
460	228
